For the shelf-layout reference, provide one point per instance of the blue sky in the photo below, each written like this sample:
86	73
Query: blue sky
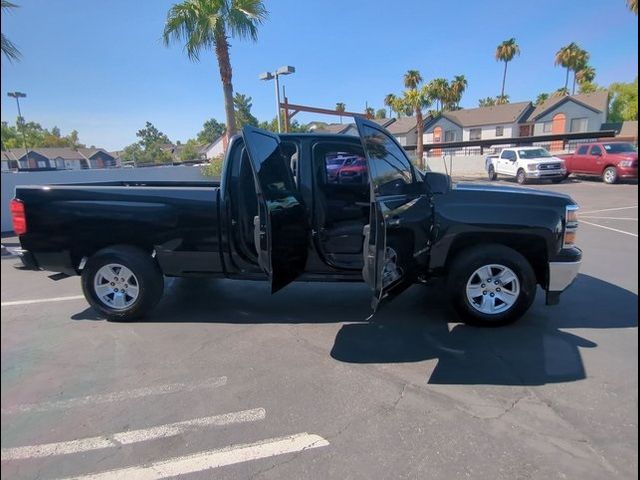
100	67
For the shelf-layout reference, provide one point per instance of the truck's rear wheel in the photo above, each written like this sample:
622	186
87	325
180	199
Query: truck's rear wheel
122	282
521	177
491	285
492	173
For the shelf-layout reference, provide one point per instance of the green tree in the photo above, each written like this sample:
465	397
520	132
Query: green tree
190	151
370	112
341	108
586	74
633	6
458	86
487	102
211	131
416	98
381	113
624	101
541	98
207	25
6	46
150	135
412	79
502	99
242	104
580	63
571	57
439	92
505	53
389	99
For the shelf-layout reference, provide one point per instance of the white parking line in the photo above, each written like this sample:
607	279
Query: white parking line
608	210
41	300
114	397
609	228
213	458
134	436
609	218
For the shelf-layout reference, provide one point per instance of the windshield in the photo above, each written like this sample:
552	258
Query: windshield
619	147
534	153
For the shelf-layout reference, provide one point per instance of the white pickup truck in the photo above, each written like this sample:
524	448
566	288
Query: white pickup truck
526	163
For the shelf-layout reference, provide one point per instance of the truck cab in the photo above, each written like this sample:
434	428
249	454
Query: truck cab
525	164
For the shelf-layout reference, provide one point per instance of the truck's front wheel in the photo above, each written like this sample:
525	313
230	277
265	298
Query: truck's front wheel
492	173
122	282
491	285
521	177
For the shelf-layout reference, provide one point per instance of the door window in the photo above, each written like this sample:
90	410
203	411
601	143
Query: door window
391	170
596	150
583	150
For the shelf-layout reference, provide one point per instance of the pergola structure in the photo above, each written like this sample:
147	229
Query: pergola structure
290	109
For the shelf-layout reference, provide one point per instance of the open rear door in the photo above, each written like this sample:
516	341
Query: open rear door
280	229
398	215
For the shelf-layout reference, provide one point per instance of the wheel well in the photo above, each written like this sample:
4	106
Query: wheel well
532	247
87	250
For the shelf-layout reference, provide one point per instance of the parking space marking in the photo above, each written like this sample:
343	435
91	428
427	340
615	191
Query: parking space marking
114	397
133	436
213	459
608	210
609	218
609	228
41	300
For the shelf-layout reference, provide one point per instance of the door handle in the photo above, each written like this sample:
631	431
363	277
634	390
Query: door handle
394	222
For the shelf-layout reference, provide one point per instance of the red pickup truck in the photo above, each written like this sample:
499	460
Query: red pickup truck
610	160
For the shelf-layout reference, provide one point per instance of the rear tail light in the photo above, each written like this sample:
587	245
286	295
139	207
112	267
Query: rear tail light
19	217
570	226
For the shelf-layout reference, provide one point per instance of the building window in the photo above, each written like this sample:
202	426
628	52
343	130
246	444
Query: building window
42	164
475	134
450	136
499	131
547	127
579	124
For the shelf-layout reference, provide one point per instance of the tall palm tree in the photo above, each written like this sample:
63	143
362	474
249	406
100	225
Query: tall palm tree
416	99
412	79
207	25
388	101
340	107
586	74
633	6
458	86
370	112
502	99
566	57
8	48
438	88
580	61
505	53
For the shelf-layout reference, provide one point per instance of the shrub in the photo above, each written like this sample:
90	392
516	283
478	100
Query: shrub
214	167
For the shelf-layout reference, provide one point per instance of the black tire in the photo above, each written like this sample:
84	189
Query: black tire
461	270
144	267
558	180
610	175
492	173
521	177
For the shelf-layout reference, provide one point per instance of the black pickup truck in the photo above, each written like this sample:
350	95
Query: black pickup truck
307	207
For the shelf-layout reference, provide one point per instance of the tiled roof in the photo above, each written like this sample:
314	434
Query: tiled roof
494	115
597	101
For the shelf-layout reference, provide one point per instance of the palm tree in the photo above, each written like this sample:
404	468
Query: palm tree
566	57
438	88
586	74
417	99
580	61
388	101
458	86
541	98
505	53
370	112
340	107
207	25
633	6
502	99
412	79
8	48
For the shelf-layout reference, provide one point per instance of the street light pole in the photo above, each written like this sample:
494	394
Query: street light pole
18	96
286	70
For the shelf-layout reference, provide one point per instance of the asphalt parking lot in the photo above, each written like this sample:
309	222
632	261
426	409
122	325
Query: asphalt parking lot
300	385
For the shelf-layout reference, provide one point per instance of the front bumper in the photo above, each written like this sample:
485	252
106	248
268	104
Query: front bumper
627	172
558	173
562	272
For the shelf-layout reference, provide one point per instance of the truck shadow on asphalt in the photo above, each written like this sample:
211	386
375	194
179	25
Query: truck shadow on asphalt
417	326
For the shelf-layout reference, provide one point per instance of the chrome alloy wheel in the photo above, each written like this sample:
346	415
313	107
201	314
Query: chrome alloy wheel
493	289
116	286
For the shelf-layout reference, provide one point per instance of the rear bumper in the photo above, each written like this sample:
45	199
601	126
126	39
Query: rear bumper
28	260
562	273
50	261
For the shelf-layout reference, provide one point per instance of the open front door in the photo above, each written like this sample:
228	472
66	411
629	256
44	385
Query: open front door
280	228
397	230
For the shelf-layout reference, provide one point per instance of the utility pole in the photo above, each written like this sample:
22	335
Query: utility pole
18	96
286	70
